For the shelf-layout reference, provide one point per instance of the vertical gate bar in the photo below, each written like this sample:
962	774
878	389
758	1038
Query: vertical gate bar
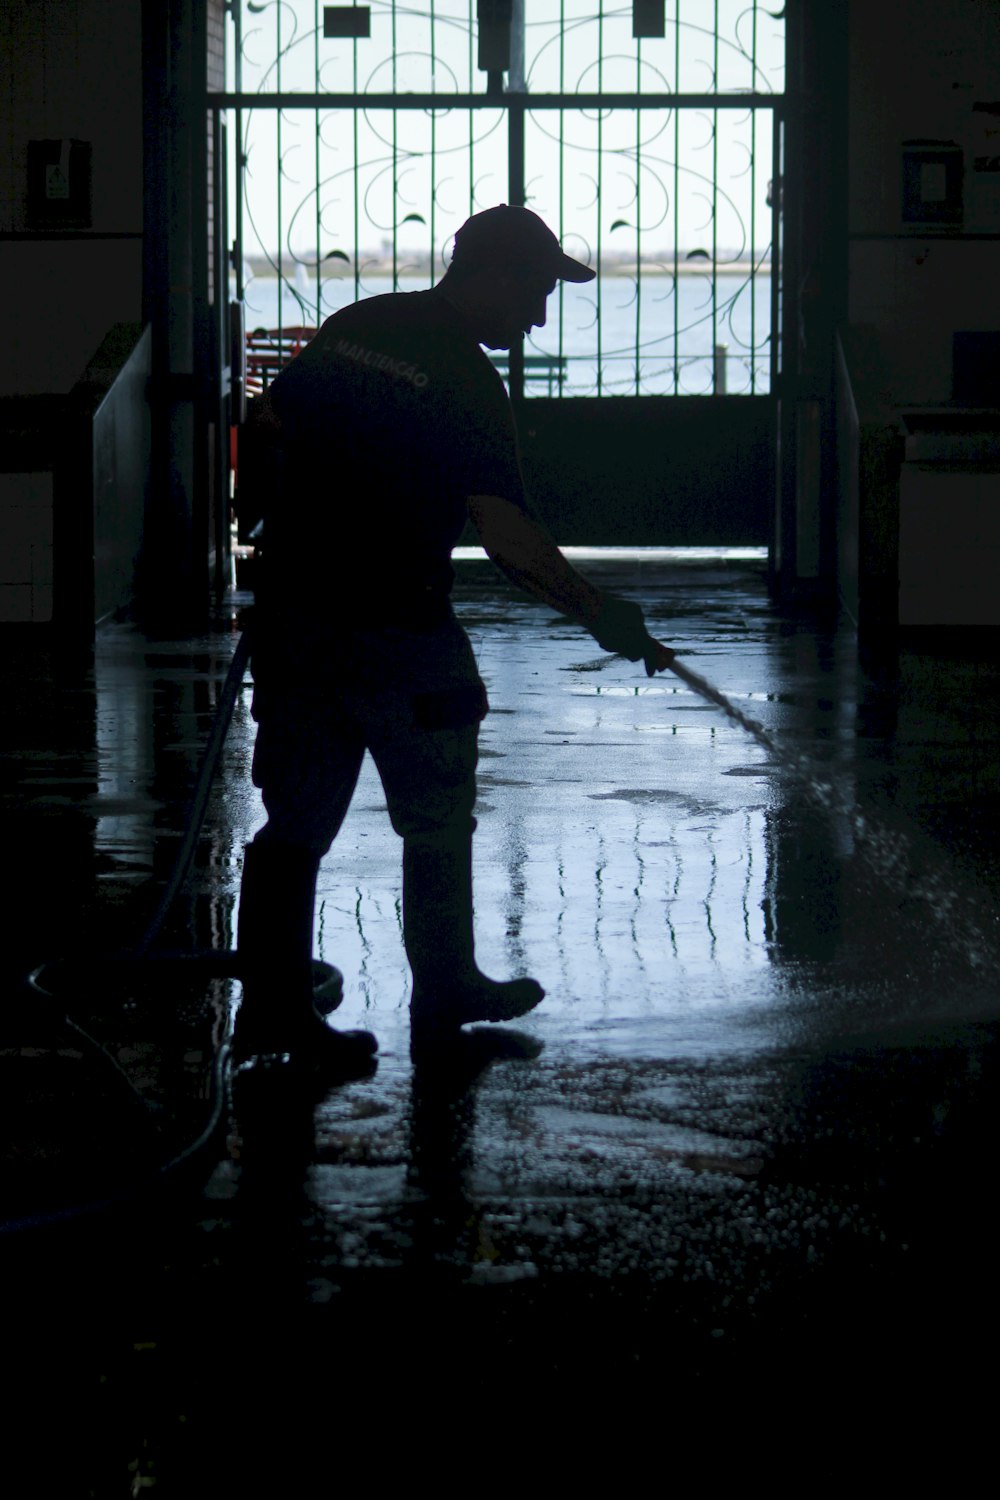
715	201
232	411
777	128
515	147
395	161
677	217
221	356
638	213
472	131
562	175
281	299
200	404
753	252
753	210
319	256
433	150
355	179
237	14
515	196
220	235
600	183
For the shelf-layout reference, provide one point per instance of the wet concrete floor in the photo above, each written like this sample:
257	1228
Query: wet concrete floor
758	1136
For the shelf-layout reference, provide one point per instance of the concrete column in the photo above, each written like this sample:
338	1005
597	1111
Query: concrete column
174	576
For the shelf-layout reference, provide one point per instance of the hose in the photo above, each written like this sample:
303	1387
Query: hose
222	962
199	797
51	1218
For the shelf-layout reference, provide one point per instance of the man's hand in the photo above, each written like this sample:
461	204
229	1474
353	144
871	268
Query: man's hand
663	657
620	627
530	558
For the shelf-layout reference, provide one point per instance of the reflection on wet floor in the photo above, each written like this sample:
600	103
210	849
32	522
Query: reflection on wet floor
769	1019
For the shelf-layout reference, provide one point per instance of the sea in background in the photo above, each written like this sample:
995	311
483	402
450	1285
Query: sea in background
664	337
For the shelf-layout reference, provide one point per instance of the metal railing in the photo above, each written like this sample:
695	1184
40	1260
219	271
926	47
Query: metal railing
357	158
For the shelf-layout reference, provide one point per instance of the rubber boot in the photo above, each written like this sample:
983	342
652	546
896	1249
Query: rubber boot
277	1016
448	988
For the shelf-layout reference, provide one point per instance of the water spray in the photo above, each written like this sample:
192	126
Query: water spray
965	920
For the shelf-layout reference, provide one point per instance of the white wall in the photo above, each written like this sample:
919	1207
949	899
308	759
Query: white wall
26	557
916	69
69	68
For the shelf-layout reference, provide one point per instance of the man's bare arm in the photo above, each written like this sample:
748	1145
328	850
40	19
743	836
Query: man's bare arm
526	552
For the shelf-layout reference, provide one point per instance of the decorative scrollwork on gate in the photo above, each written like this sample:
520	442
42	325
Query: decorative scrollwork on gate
651	158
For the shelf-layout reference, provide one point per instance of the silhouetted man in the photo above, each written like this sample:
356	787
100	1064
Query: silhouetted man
395	427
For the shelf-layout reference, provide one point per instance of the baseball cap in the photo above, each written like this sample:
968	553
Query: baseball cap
507	235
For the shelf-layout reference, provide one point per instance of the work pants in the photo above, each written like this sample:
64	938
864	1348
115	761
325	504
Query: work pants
323	696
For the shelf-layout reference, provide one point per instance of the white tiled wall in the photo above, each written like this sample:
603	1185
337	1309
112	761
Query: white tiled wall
917	292
75	71
917	68
949	546
25	548
66	297
69	69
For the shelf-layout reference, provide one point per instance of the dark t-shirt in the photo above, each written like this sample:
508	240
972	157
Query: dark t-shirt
390	418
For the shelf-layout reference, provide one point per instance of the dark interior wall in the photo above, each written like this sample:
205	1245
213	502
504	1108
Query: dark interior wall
651	470
71	70
127	77
71	270
917	70
863	78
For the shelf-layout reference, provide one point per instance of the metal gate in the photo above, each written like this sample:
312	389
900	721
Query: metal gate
648	136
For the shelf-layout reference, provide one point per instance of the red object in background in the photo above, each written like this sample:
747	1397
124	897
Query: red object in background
268	351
